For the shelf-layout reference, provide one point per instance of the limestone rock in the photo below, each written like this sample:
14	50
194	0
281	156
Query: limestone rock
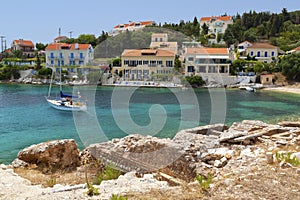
60	154
289	124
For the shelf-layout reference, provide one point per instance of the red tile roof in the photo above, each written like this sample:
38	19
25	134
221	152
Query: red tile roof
132	24
297	48
208	51
59	46
147	52
262	46
223	18
27	43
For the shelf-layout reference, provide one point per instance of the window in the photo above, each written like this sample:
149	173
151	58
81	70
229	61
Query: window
190	69
273	54
202	69
126	62
71	55
169	63
191	59
152	63
60	55
81	55
251	53
63	63
52	62
146	62
159	62
266	54
140	62
51	55
258	54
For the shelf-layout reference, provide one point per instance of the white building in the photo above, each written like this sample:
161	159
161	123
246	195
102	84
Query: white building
132	26
207	61
216	25
69	56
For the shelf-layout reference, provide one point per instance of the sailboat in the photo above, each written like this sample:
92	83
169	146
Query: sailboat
65	102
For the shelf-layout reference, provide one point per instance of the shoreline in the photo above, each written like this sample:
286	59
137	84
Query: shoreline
284	89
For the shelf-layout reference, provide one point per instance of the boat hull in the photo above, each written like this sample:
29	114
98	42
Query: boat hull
66	106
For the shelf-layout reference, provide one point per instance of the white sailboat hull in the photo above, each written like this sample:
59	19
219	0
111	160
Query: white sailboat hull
66	105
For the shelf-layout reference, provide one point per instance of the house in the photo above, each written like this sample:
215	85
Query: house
263	52
146	64
26	46
216	25
266	79
132	26
69	56
243	46
60	39
207	61
160	41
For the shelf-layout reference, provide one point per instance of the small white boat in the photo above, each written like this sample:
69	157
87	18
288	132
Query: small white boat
248	88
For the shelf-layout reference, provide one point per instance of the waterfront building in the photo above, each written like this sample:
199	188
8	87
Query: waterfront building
146	64
267	79
131	26
206	61
26	46
263	52
216	25
69	56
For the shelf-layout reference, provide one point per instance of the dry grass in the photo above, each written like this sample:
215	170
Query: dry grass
37	177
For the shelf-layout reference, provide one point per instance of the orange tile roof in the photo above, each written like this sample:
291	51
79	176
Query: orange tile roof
223	18
208	51
58	46
61	38
147	52
132	24
297	48
24	43
262	46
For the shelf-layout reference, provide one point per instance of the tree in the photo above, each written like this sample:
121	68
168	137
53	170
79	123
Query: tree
290	65
117	62
195	81
258	67
204	29
40	46
38	62
87	39
177	64
18	54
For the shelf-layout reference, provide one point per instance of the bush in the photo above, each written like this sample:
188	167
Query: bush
195	81
204	183
45	72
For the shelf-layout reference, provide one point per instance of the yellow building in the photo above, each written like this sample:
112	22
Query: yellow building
146	64
263	52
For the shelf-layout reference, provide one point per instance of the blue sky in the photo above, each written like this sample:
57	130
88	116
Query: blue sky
39	21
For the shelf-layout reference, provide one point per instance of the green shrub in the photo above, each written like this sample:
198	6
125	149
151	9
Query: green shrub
287	158
110	172
204	183
116	197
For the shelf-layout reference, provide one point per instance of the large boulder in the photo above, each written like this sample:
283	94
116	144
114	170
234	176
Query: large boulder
58	154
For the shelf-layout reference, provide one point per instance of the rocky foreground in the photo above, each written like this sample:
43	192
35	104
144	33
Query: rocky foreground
249	160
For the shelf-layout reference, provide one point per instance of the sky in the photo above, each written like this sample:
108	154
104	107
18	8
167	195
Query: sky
40	21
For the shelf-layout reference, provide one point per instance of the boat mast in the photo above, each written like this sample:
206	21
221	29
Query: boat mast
51	80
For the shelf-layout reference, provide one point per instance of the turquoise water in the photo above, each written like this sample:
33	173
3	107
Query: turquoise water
26	118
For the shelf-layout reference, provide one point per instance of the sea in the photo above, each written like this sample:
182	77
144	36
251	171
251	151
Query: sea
114	112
